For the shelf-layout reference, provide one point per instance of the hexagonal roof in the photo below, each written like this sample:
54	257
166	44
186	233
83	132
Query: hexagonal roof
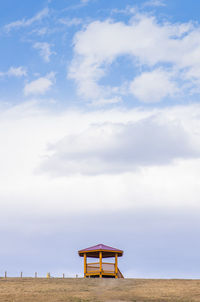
107	251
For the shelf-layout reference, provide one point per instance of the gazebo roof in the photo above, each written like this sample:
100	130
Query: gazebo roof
107	251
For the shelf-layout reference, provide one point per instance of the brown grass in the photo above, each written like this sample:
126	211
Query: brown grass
81	290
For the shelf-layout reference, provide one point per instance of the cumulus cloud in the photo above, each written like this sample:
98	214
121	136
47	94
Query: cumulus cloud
153	86
44	50
39	86
15	72
27	22
148	43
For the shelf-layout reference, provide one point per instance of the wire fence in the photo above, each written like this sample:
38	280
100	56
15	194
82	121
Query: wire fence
36	275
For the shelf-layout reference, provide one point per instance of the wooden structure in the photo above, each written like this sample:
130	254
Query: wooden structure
101	269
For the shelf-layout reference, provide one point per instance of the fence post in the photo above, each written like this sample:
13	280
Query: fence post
63	276
35	274
5	274
21	275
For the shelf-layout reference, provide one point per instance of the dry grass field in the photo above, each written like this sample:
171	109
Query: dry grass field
77	290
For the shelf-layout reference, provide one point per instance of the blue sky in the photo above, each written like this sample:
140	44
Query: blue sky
100	135
42	39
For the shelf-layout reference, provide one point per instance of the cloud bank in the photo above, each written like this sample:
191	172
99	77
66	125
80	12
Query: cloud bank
121	147
46	156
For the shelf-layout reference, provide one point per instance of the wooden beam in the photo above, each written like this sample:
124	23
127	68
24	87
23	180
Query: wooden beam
116	266
85	265
100	263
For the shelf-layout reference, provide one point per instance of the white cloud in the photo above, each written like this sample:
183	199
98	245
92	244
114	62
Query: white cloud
27	22
44	50
85	1
103	101
71	22
155	3
128	10
153	86
41	31
15	72
145	41
39	86
31	131
121	147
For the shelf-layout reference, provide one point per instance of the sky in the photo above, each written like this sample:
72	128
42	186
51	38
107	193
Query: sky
100	135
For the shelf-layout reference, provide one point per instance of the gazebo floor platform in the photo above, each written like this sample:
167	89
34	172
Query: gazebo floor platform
98	276
103	274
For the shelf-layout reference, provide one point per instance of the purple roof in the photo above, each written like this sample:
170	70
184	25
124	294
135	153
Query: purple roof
101	247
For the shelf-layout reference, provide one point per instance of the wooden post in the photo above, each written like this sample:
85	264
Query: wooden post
116	266
85	265
63	276
21	275
100	263
35	274
5	274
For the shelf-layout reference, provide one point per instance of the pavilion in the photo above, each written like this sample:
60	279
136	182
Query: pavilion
101	269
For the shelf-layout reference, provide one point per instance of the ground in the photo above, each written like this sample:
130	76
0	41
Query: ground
82	290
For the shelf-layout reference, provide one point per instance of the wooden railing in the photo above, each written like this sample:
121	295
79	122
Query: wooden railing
106	267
